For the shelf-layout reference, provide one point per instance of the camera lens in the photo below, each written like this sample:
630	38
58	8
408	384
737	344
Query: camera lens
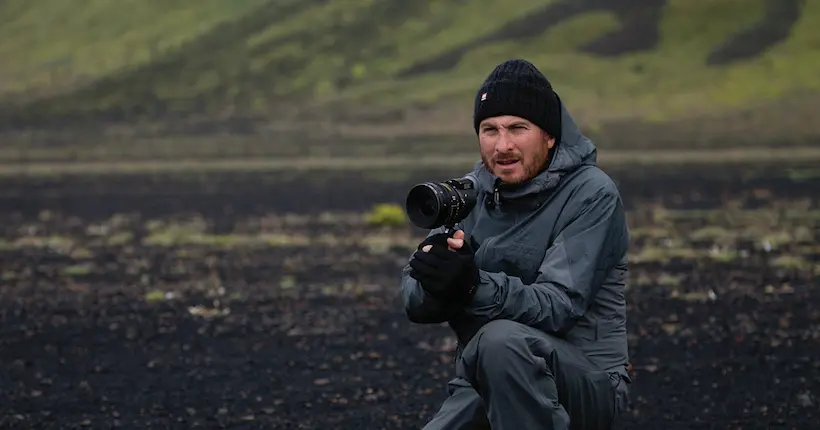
423	205
428	208
434	204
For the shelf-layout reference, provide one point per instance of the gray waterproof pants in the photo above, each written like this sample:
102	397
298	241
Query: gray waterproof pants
514	377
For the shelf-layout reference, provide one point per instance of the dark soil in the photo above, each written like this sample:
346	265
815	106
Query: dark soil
100	324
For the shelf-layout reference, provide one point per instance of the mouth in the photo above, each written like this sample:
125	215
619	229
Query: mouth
506	163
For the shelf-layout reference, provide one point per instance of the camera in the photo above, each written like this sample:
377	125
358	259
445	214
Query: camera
431	205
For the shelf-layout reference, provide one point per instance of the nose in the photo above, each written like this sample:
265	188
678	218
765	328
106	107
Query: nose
504	143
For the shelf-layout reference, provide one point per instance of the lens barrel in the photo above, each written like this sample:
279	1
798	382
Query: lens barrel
431	205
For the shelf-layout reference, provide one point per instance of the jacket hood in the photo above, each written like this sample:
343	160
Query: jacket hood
573	151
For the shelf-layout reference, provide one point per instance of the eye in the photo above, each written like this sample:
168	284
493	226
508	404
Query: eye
488	129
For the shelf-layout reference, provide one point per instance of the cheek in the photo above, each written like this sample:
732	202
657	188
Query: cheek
534	152
486	148
528	149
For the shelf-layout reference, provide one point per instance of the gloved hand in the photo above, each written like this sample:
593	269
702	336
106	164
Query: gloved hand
444	271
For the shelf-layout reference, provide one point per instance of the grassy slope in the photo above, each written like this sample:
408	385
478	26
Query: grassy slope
50	45
320	57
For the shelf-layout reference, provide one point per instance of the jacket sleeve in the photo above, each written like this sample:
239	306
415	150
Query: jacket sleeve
588	246
419	306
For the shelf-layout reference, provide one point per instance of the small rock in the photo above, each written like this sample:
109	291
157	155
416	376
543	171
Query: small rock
321	381
805	400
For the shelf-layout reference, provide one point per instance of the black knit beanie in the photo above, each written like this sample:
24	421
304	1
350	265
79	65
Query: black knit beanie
516	87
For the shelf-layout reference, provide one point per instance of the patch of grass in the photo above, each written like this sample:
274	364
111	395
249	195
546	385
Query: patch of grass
386	214
120	238
670	280
287	282
78	270
61	244
693	296
82	253
803	174
154	296
658	254
782	231
292	240
791	262
712	233
224	240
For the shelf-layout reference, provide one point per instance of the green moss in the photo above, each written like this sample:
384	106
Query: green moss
791	262
387	214
78	270
154	296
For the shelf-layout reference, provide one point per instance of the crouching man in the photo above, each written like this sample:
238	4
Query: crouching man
533	283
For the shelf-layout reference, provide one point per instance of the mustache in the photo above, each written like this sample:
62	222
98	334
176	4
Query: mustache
506	158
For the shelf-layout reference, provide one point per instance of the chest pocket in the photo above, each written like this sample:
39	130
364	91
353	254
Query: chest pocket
519	259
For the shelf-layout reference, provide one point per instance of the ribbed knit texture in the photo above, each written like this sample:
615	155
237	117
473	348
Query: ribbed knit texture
516	87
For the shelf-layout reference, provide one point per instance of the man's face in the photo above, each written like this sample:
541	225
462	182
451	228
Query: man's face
513	148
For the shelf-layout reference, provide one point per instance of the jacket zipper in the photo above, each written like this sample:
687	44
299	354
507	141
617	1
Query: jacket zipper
496	204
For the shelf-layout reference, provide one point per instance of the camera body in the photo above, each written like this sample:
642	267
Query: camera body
431	205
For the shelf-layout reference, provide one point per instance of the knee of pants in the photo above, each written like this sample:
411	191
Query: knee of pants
496	345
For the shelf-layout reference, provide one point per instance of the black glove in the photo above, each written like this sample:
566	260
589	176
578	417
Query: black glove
445	274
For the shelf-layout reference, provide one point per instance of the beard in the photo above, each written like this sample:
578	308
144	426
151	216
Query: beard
527	166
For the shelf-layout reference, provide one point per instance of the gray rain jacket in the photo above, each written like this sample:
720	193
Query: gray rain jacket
553	255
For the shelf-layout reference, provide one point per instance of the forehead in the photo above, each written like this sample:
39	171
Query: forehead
504	121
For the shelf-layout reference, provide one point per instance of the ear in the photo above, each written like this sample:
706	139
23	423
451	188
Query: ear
550	140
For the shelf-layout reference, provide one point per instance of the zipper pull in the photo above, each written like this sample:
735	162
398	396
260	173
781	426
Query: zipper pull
496	197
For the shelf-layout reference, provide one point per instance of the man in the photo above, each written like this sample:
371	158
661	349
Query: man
533	282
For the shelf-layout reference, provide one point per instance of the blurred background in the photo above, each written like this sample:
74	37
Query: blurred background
202	201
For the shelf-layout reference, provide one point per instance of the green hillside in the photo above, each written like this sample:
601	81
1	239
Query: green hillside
49	46
379	62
